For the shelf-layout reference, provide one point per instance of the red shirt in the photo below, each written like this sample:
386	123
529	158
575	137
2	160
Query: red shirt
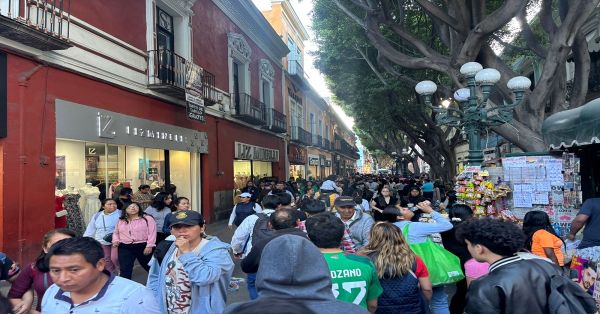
29	277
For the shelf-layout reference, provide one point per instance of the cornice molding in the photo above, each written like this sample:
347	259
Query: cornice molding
246	16
182	7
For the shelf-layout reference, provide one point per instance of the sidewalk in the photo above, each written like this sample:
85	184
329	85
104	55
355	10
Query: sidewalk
220	230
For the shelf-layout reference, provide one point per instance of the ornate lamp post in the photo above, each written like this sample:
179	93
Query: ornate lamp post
396	159
473	113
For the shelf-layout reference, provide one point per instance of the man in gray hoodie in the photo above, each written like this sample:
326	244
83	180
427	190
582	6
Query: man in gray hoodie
292	268
358	223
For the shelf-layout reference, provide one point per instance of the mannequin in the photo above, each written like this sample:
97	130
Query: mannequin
92	201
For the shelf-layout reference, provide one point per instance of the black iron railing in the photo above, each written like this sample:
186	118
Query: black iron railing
326	144
248	106
301	135
166	68
276	120
209	91
47	22
317	140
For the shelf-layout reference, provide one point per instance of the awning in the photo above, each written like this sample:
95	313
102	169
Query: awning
574	127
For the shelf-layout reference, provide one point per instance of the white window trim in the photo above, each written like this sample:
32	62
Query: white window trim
266	73
238	51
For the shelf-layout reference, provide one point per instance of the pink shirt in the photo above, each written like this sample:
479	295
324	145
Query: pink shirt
475	269
136	231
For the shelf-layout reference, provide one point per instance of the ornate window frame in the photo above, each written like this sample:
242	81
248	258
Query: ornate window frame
266	73
239	51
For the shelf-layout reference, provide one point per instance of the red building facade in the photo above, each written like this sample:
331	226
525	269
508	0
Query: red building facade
110	108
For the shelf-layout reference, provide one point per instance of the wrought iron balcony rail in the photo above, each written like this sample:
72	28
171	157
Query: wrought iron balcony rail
209	91
249	109
317	140
276	121
295	68
42	24
300	135
165	67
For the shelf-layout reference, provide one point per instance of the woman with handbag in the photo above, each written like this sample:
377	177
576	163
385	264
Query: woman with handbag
402	274
434	256
101	227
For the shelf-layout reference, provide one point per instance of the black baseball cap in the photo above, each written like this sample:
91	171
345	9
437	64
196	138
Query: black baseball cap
344	201
187	217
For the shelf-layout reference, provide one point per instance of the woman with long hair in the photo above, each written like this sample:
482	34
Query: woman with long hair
402	274
160	208
35	275
542	240
101	227
458	214
135	237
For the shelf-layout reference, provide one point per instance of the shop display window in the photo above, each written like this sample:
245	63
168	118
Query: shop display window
110	166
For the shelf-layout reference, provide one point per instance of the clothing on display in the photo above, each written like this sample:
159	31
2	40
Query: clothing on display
74	217
91	201
59	222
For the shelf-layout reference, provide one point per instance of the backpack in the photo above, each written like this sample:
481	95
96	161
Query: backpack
566	297
261	228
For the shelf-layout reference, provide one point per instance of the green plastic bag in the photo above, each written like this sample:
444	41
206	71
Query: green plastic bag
443	266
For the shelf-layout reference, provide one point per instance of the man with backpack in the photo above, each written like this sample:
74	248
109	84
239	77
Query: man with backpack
281	222
246	207
253	227
517	283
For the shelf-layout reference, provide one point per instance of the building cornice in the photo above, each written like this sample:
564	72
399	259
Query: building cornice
293	17
250	20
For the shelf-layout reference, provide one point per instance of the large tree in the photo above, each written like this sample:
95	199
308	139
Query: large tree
387	115
435	37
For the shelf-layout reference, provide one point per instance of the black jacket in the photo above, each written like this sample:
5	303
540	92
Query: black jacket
518	284
251	262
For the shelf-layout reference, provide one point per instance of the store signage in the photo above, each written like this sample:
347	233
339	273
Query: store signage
193	78
251	152
313	160
76	121
297	155
195	107
322	160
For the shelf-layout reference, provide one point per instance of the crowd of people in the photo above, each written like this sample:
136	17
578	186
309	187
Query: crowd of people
360	244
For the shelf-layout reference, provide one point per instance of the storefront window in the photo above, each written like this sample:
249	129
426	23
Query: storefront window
180	172
112	166
261	169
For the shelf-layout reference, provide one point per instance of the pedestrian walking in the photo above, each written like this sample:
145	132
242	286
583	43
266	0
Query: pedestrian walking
354	278
292	270
181	204
143	196
101	228
252	228
135	237
81	284
402	274
35	275
541	239
419	232
244	208
160	208
193	275
379	203
517	283
357	223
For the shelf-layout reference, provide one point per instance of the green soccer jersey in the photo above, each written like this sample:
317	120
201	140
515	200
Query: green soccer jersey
354	278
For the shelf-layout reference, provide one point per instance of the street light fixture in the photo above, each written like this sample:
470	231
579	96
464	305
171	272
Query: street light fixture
473	113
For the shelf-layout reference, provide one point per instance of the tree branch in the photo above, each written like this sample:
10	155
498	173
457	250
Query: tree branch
582	60
532	42
371	65
437	13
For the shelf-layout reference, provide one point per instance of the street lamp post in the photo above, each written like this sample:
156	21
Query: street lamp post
473	113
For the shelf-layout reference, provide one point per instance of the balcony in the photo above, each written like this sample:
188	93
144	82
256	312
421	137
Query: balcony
301	136
296	71
326	144
317	140
168	73
249	109
276	121
344	148
42	24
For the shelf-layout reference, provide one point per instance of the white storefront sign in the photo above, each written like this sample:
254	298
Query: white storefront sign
252	152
